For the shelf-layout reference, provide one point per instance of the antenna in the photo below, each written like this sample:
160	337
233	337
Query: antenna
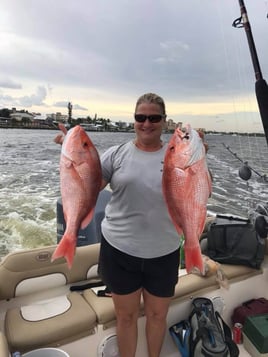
70	108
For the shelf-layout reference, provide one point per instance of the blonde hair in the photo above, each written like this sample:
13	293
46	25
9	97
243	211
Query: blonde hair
152	98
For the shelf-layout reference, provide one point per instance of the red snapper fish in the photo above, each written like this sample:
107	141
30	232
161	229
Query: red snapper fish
186	186
80	181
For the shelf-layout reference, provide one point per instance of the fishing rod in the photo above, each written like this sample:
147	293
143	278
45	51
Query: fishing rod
245	170
261	88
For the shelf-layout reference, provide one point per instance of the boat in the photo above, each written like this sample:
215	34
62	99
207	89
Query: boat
46	307
49	310
92	127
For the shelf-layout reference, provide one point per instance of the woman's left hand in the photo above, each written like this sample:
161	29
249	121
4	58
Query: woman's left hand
202	136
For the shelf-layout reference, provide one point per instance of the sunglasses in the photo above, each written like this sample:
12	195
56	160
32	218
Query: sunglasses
154	118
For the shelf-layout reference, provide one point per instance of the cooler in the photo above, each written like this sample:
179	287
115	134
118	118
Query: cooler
251	349
256	331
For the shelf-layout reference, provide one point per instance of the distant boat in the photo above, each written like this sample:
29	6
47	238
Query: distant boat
92	127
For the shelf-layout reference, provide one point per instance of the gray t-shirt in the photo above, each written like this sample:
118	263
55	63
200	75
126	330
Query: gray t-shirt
136	218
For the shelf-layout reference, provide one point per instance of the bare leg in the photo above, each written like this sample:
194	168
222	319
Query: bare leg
156	309
127	309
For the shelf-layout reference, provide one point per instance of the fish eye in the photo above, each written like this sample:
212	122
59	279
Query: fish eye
85	144
172	148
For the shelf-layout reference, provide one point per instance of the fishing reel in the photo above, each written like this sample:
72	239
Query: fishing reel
261	226
245	171
259	219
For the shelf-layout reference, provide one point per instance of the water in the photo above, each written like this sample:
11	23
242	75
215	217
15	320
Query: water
29	181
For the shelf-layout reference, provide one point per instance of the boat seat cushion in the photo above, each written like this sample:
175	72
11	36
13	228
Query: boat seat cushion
49	323
4	352
193	285
31	271
188	286
103	306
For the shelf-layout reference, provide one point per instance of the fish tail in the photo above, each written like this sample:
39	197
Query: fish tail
66	249
222	279
193	259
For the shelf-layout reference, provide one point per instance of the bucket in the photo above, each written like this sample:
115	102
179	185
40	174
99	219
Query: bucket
46	352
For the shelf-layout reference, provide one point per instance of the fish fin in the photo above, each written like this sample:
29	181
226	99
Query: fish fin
178	228
201	226
87	219
222	279
209	180
176	225
68	164
192	170
193	259
66	248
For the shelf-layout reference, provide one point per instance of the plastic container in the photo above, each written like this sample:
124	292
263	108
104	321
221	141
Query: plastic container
251	349
256	330
46	352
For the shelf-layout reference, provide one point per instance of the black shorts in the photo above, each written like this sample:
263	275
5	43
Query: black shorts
123	273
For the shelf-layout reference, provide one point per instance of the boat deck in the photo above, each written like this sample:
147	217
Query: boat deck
35	286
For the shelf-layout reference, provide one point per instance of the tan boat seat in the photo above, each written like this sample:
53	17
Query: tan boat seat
103	307
4	352
194	285
188	286
49	323
31	271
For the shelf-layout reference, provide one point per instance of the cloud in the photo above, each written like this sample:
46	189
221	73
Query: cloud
6	98
9	83
79	107
103	55
36	99
64	104
173	51
61	104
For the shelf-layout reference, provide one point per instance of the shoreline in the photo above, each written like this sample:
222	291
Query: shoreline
46	127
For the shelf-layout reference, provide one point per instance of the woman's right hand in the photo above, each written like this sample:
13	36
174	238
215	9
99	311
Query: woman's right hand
59	139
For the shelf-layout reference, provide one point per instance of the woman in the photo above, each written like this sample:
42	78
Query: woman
139	254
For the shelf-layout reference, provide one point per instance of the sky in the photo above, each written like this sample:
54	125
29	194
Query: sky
101	55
